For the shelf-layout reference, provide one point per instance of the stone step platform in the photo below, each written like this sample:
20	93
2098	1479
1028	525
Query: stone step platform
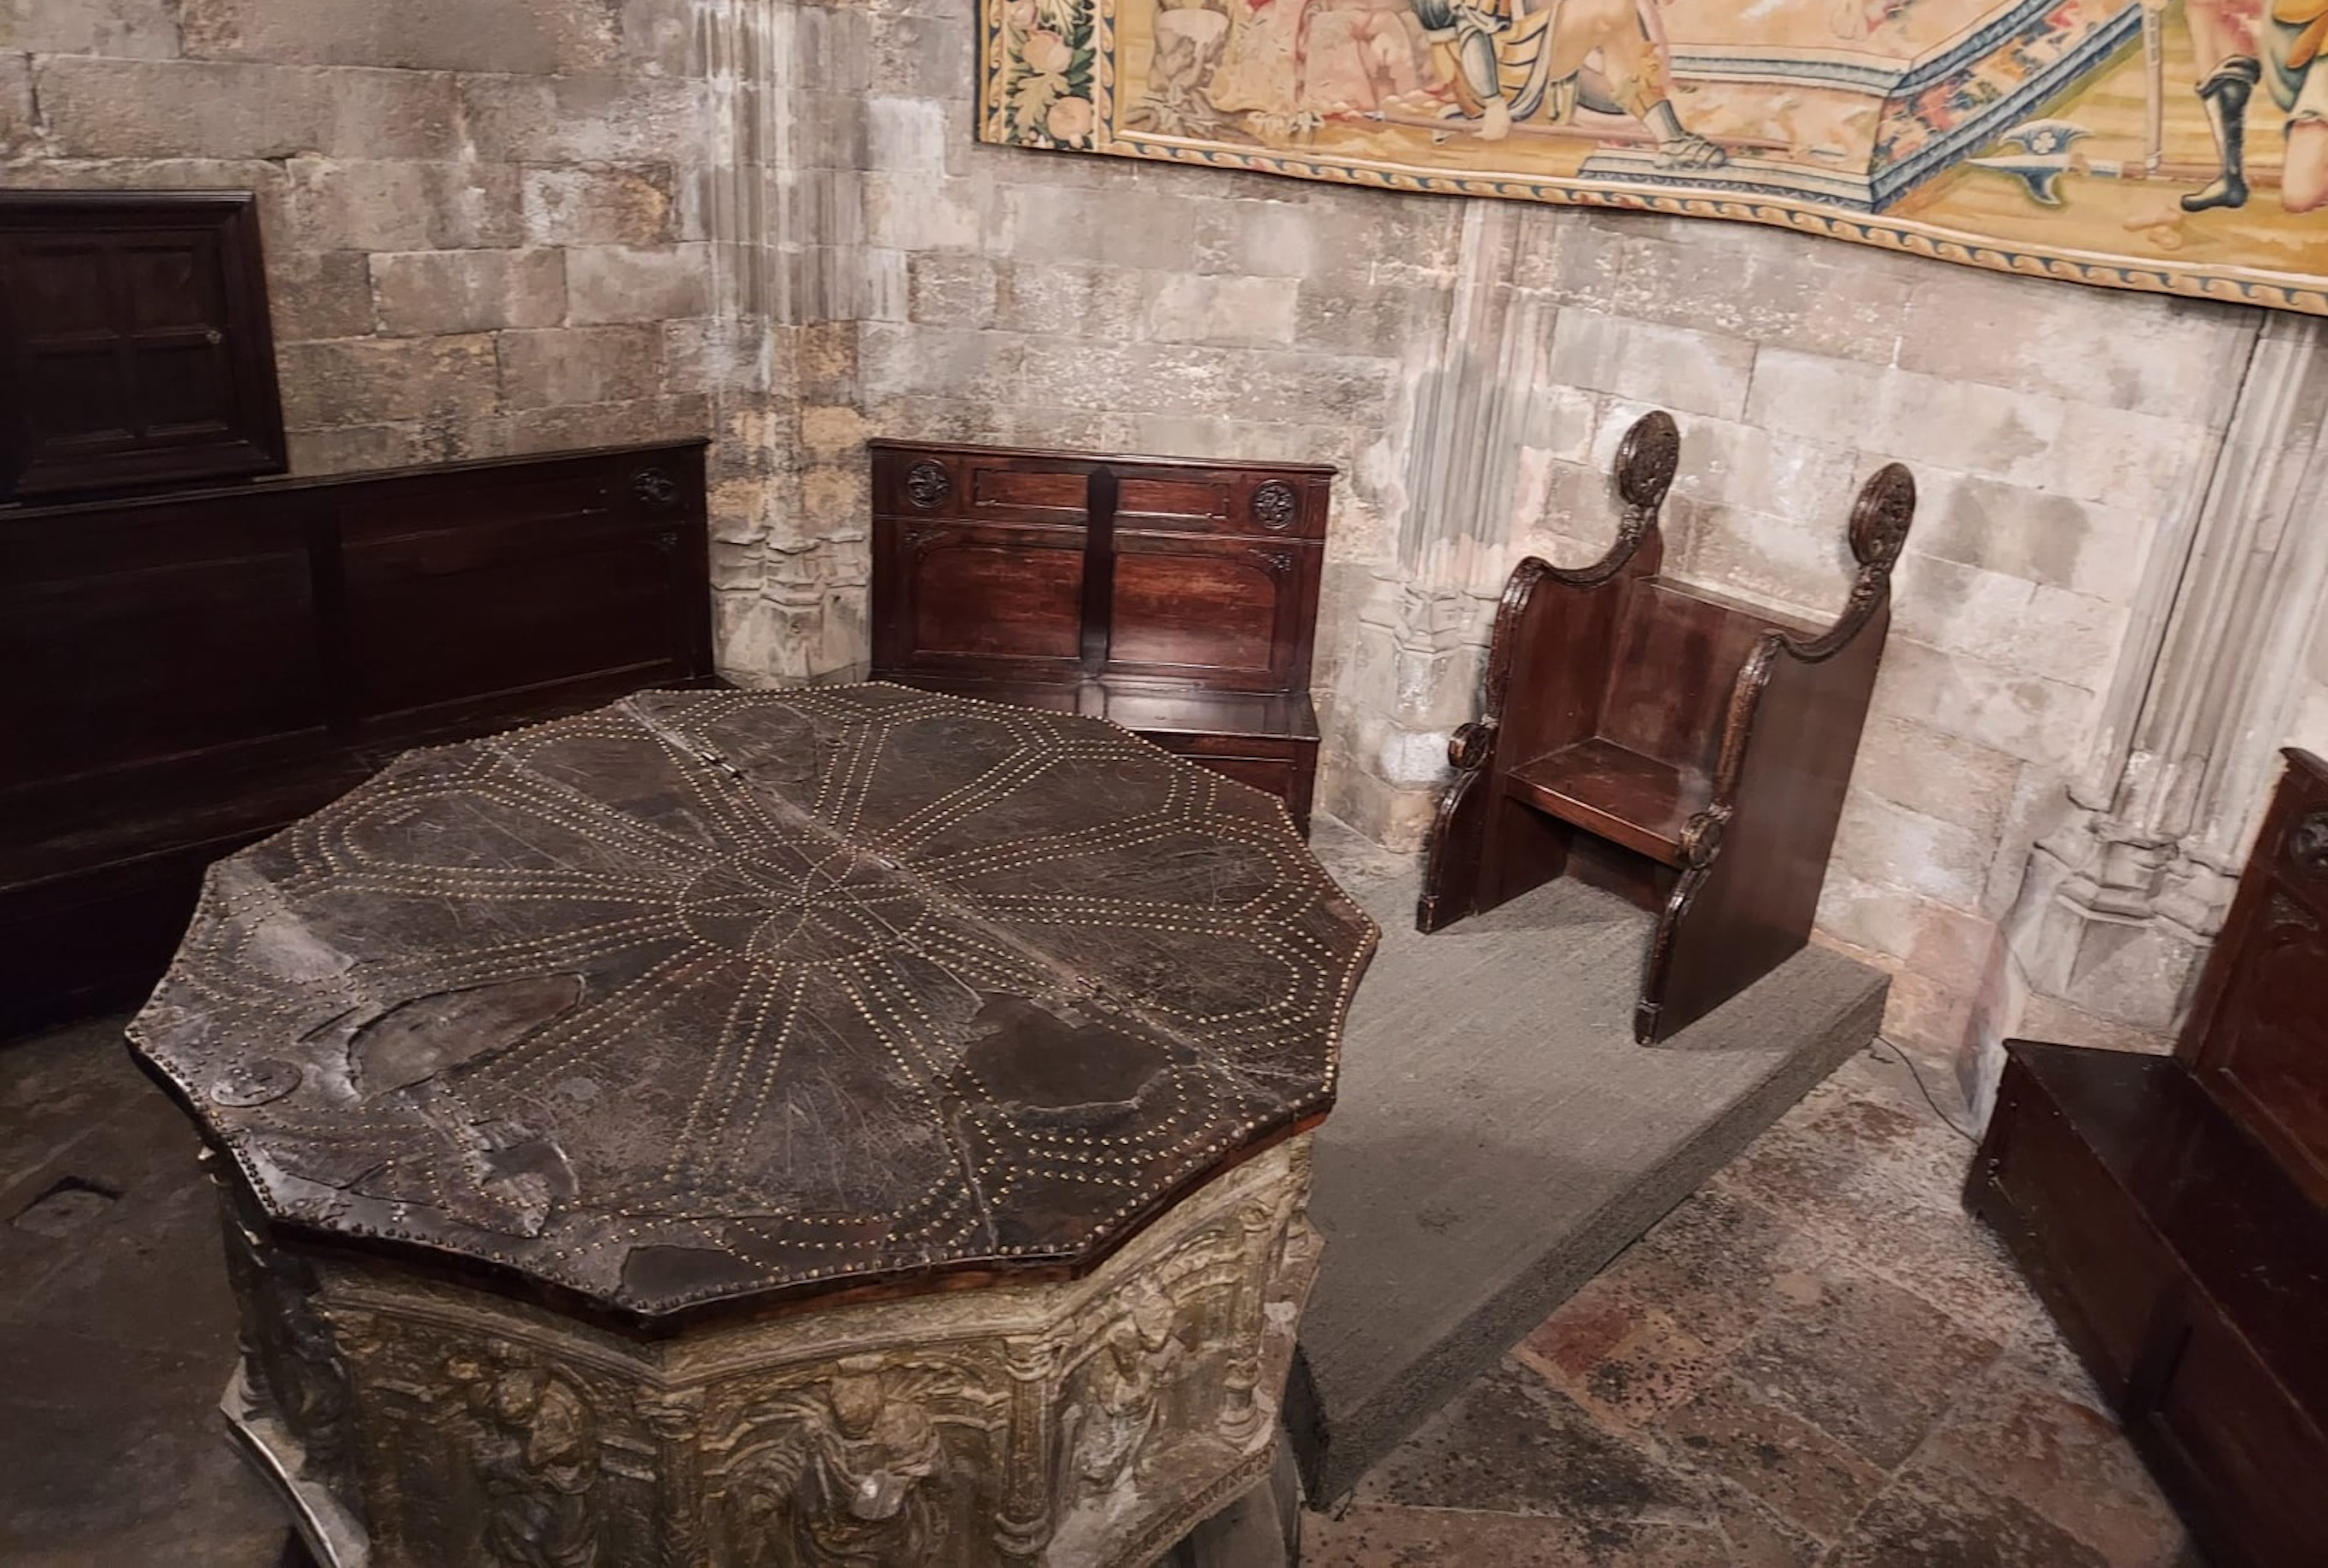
1498	1137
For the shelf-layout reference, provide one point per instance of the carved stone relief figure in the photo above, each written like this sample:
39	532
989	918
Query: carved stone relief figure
534	1445
1125	1383
852	1479
288	1346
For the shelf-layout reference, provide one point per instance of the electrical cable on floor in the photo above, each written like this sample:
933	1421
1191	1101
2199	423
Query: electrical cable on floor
1948	1121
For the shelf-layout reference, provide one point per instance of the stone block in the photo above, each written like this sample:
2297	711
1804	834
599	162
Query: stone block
599	204
1044	298
2181	359
1796	561
1247	312
581	364
905	136
1870	919
926	57
118	29
2056	540
446	381
369	204
659	35
206	108
950	288
18	133
910	213
2131	461
535	37
1397	321
355	448
1761	285
1120	227
829	131
319	293
1889	846
1675	368
583	119
2025	716
426	292
609	424
2006	621
716	356
1965	426
1940	776
617	283
900	361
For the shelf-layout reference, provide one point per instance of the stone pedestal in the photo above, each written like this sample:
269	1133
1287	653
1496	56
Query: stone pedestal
1081	1423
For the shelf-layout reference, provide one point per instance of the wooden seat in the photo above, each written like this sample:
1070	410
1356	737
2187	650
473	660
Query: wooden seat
1175	597
2171	1212
1688	749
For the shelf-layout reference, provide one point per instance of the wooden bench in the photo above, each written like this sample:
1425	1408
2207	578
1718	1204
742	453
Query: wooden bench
1175	597
1685	749
195	669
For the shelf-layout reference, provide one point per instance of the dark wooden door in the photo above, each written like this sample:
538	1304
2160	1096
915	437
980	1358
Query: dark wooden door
135	342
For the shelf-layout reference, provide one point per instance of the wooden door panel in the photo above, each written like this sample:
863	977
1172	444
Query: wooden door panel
135	342
1007	597
1181	607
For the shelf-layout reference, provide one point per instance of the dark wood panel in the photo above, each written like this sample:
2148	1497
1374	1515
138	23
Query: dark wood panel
134	340
2258	1036
2170	1211
1140	588
1221	613
228	660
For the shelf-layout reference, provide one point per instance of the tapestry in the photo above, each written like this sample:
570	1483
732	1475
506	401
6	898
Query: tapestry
2175	146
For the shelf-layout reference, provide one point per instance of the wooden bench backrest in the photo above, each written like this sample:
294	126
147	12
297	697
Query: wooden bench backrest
1675	656
1017	565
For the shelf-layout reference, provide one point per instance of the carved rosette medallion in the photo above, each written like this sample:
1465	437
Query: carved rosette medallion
654	488
1083	1424
927	484
1880	521
1275	505
1649	459
2307	845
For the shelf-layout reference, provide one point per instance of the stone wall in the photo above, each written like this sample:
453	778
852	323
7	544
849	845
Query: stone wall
547	222
481	230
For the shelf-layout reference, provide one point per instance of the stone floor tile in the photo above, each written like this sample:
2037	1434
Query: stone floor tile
55	1088
1712	1266
1374	1536
1949	1259
2041	1346
1623	1361
2016	1433
1807	1479
161	1485
1882	1073
1756	1538
1867	1362
1938	1518
162	1225
1509	1444
1847	1162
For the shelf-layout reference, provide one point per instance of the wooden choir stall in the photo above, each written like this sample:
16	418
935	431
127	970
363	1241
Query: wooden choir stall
1685	749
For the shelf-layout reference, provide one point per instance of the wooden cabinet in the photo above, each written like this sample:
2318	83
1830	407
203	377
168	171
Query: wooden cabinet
196	669
2170	1211
1175	597
134	340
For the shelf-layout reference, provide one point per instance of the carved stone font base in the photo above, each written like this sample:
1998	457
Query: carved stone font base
412	1422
